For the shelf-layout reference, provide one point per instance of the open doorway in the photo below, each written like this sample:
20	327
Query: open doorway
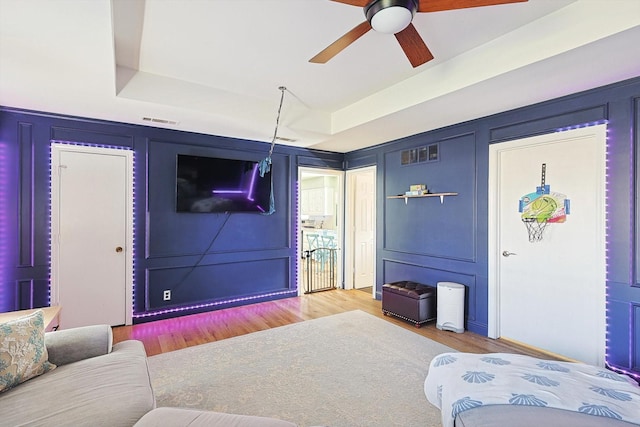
320	229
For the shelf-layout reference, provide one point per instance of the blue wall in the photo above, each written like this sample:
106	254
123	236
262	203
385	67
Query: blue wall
429	242
207	260
423	241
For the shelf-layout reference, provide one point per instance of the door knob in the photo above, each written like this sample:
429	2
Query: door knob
119	249
507	253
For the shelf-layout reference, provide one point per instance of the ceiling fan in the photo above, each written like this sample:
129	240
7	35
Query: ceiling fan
394	17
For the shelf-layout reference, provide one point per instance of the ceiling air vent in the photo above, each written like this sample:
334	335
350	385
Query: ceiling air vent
283	139
163	121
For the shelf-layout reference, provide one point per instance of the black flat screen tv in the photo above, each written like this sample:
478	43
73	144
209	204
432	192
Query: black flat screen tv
209	184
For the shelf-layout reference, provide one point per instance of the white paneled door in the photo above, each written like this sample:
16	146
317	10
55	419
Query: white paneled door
550	294
364	228
91	227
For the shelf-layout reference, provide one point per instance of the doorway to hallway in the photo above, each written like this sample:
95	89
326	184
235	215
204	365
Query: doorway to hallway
320	225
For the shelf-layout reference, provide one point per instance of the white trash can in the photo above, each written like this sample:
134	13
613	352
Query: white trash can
450	309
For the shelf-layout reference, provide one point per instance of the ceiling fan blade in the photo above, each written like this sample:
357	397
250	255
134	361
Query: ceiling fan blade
339	45
440	5
359	3
413	46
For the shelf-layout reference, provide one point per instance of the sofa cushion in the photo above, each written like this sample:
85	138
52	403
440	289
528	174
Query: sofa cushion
71	345
531	416
109	390
23	354
178	417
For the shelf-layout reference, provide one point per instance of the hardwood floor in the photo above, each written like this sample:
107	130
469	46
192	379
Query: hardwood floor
167	335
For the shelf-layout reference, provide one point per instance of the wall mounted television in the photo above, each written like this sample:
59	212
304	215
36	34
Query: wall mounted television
209	184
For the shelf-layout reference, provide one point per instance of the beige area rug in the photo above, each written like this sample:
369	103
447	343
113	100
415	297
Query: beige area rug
349	369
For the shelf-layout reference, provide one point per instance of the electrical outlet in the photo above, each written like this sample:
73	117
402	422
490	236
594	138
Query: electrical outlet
166	295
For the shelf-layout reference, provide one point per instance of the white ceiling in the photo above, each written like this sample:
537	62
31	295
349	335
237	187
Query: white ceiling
215	66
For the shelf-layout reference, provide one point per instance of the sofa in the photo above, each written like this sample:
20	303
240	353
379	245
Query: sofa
83	379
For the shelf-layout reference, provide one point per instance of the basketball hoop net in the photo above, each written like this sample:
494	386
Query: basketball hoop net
535	228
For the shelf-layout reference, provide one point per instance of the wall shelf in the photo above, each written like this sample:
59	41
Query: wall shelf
406	198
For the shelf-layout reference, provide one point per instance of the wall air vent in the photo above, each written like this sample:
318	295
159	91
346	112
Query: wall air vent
156	120
429	153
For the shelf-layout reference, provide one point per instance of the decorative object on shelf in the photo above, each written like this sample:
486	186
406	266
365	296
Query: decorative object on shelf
417	190
543	207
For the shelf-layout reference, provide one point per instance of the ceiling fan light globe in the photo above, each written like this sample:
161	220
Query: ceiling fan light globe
391	20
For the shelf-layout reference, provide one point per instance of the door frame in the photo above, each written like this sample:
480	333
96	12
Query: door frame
129	220
493	303
340	221
349	252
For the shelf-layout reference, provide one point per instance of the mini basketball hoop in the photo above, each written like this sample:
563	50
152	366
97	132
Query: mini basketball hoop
542	207
535	228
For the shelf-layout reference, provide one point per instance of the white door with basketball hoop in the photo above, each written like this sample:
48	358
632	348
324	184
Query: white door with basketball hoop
549	292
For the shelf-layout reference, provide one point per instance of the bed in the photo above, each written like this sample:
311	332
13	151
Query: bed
500	389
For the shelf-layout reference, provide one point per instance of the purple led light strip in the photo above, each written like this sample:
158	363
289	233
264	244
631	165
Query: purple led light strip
4	250
608	205
205	305
49	272
607	234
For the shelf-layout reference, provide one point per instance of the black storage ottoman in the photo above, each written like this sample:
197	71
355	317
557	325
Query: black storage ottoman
410	301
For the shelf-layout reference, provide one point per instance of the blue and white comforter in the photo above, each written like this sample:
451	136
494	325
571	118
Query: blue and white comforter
460	381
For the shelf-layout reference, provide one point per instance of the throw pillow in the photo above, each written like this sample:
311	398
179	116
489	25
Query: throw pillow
23	354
